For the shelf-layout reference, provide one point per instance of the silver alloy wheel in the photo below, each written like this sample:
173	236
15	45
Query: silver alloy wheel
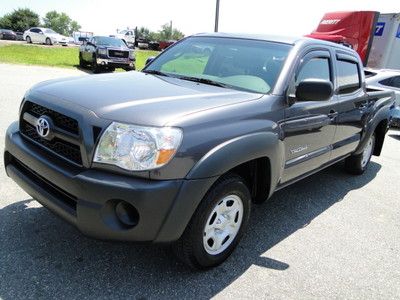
367	152
223	224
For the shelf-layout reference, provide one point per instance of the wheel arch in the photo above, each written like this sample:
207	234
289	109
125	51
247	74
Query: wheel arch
257	158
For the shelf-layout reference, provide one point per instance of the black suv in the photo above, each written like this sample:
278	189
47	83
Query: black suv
106	53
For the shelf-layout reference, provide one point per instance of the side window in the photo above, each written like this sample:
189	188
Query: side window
39	31
35	30
391	82
348	76
317	68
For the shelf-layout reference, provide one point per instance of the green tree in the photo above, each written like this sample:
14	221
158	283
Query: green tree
20	20
169	33
142	33
60	22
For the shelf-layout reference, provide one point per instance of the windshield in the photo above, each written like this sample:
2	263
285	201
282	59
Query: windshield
243	64
109	41
51	31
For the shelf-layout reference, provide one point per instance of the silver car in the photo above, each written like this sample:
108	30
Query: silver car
387	79
384	79
44	36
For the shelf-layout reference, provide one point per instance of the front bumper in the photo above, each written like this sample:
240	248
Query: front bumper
86	198
116	63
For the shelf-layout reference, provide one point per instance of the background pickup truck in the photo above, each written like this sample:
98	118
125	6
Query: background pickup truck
181	151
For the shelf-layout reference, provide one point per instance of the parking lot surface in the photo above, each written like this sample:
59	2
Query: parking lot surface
331	235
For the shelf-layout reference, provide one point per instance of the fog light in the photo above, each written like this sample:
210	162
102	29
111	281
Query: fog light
126	214
119	214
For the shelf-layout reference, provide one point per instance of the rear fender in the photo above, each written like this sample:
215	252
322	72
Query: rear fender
381	109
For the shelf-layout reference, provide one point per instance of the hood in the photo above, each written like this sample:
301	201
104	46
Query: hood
138	98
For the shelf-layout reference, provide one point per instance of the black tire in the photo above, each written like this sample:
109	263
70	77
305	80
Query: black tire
48	42
357	164
95	67
129	69
82	63
191	248
28	40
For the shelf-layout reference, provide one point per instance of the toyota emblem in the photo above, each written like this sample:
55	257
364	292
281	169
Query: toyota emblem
43	127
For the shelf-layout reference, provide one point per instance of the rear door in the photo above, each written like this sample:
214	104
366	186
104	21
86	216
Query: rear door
309	126
352	106
41	38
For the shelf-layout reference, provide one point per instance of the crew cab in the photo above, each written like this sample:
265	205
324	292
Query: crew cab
181	151
102	52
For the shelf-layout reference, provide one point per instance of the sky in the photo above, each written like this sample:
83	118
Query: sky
281	17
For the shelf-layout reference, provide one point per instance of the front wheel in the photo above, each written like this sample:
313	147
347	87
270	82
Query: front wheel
48	42
217	225
95	67
28	40
82	63
357	164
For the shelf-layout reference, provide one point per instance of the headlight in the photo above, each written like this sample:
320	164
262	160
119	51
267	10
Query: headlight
131	54
102	51
137	148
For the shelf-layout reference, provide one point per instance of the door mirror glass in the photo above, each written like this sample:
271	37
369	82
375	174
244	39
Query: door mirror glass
314	90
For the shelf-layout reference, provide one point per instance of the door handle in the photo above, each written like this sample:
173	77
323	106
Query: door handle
333	114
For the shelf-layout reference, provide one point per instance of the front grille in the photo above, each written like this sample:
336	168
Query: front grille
118	53
60	120
63	148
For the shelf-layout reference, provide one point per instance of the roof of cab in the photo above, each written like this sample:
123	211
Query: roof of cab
273	38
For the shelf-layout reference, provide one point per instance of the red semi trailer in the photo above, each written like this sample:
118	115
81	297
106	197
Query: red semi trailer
375	36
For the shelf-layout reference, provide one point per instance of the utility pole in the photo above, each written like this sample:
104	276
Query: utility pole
216	16
170	30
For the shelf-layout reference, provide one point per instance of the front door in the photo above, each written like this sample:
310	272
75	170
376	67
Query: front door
309	126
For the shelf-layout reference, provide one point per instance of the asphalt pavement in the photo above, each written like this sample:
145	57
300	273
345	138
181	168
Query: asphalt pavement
330	236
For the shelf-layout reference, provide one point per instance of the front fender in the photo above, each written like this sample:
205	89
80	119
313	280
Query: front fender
239	150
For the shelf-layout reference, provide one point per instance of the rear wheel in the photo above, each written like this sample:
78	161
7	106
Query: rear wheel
28	40
357	164
217	225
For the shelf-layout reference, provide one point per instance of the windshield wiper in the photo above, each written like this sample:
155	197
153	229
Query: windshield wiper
155	72
205	81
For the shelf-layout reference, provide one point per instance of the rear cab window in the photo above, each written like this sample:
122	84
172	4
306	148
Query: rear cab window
348	74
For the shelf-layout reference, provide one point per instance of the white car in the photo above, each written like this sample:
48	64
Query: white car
384	79
128	36
44	36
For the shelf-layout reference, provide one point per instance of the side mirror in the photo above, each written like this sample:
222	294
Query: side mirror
149	60
314	90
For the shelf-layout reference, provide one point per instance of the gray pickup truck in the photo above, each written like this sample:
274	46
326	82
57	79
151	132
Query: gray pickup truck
181	151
